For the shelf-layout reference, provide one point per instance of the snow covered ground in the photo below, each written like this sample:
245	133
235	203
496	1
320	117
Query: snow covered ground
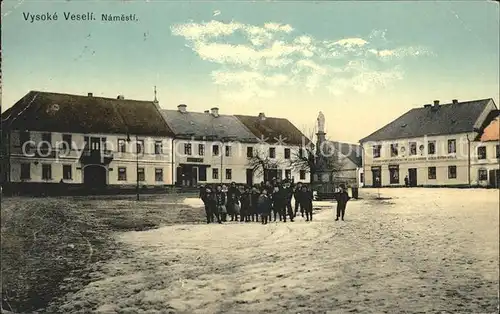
421	251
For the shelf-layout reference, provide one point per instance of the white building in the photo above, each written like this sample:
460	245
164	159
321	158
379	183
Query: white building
211	148
435	145
88	141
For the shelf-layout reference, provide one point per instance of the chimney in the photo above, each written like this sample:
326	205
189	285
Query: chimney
182	108
207	111
215	111
436	103
120	97
262	116
455	101
90	94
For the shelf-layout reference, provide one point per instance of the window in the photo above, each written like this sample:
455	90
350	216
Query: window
215	150
66	138
249	152
497	149
121	146
86	142
25	171
229	174
301	152
104	143
394	174
394	150
122	174
202	174
452	172
140	174
24	137
376	151
483	175
288	174
287	153
228	151
302	174
413	148
431	173
140	147
159	175
272	152
431	148
67	172
201	149
187	149
46	141
361	177
47	172
47	137
215	173
158	148
481	152
452	148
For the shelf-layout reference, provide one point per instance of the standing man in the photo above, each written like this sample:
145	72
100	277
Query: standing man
342	198
306	200
288	194
233	197
406	181
296	195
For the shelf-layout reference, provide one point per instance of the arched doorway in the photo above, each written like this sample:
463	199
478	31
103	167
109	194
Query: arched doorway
94	176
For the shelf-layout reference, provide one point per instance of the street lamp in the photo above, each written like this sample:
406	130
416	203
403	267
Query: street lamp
136	163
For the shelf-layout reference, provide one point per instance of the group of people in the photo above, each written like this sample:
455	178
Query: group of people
263	202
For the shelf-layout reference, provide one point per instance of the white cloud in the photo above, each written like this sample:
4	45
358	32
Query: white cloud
271	56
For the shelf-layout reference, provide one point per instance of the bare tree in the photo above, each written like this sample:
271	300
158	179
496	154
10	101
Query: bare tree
313	159
261	162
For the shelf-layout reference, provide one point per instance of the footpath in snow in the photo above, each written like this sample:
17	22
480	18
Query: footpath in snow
421	251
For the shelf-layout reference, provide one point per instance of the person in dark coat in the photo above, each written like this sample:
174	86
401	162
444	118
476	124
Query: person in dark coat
233	196
264	206
246	204
277	203
296	195
342	198
220	203
254	198
306	205
204	196
288	193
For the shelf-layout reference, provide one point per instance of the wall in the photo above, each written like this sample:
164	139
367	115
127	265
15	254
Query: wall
57	158
237	161
441	160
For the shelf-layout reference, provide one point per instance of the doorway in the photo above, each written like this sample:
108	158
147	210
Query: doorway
250	177
494	178
412	177
187	175
376	177
94	176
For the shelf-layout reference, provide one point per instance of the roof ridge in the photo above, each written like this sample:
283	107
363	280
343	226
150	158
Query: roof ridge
101	97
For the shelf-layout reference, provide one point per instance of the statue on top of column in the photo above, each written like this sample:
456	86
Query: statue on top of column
321	122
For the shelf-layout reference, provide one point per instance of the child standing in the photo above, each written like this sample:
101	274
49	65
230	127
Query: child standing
306	202
264	205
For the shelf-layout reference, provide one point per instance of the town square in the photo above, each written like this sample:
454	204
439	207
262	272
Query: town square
250	157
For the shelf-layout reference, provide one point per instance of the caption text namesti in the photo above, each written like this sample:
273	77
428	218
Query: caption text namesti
76	17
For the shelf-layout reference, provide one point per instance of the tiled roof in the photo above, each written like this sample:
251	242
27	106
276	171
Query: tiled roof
204	125
53	112
273	129
453	118
351	151
491	132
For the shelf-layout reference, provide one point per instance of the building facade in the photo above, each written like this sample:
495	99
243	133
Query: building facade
212	148
436	145
85	141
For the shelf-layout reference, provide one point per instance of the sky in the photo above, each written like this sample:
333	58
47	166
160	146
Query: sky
362	64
